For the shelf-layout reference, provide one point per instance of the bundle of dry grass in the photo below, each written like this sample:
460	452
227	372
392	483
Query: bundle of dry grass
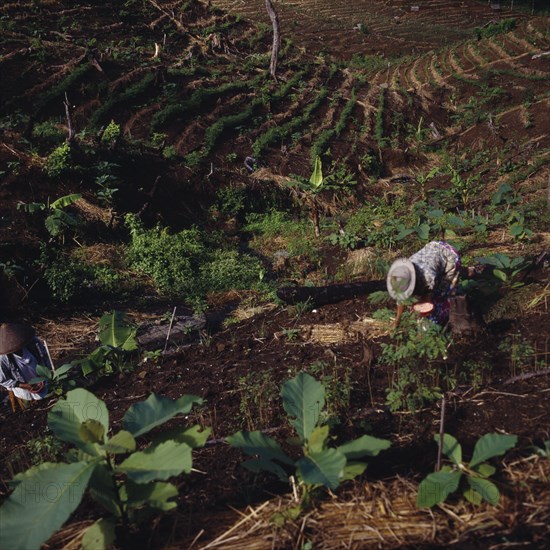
338	333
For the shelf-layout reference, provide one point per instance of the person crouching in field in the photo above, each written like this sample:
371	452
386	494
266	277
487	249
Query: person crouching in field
431	275
20	353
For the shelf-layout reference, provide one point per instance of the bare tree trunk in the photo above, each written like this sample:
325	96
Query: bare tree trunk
276	38
70	129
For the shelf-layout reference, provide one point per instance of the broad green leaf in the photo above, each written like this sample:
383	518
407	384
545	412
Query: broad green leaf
423	231
516	229
63	369
403	233
156	495
494	260
67	200
353	469
99	536
256	443
472	496
436	213
44	372
484	470
58	221
87	366
500	275
155	410
92	431
455	221
516	262
451	448
22	476
194	436
258	465
67	415
365	445
502	190
316	178
116	330
161	462
436	488
324	468
41	503
31	207
318	439
487	489
303	400
490	445
121	443
102	489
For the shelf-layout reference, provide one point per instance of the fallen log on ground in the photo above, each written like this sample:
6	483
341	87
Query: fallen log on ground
184	329
330	294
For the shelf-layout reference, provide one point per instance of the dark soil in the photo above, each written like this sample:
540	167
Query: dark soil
232	364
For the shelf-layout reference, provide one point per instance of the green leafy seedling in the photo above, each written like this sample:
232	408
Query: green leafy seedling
436	487
506	269
320	465
130	484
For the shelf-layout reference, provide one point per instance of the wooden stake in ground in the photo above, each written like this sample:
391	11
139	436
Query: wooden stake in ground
49	355
169	331
441	435
276	38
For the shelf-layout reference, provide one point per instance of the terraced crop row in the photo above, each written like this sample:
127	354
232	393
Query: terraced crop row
376	24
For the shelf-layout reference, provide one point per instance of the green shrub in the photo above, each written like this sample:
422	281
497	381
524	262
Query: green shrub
231	200
66	278
187	264
413	351
48	131
492	29
58	161
276	226
171	260
228	269
111	133
70	278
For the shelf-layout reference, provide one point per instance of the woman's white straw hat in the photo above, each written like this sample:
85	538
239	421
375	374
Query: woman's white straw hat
401	279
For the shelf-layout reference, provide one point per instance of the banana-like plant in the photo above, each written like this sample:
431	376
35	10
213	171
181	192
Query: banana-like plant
308	190
117	335
320	465
130	484
436	487
57	220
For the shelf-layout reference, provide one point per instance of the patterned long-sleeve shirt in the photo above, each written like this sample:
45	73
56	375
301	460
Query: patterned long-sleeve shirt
438	268
20	367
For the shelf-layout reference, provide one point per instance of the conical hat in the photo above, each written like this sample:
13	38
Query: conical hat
14	336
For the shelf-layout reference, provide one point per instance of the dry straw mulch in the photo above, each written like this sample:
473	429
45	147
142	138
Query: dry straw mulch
380	514
384	515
